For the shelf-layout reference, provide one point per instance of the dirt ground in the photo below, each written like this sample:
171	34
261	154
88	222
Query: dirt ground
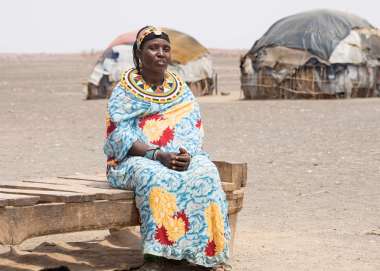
313	195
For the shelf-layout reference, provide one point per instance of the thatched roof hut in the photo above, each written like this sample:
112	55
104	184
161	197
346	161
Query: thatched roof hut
190	59
316	54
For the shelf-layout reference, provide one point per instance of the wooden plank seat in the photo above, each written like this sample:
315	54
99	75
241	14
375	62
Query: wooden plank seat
84	202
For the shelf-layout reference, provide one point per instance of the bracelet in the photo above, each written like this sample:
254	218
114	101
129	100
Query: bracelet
155	153
151	153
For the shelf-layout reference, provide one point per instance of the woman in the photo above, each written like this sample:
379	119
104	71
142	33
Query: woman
154	146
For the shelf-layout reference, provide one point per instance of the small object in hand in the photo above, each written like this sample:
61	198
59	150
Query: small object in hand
152	154
155	153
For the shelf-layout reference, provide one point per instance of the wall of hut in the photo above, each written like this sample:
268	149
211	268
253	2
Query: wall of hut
203	87
311	82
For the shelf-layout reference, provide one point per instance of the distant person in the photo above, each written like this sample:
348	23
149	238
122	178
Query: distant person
154	147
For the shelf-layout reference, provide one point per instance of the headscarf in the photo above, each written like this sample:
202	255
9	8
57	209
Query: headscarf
145	34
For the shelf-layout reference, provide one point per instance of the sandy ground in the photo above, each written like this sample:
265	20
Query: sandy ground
313	195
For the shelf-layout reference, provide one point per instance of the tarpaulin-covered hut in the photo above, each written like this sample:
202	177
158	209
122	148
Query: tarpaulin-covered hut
316	54
190	60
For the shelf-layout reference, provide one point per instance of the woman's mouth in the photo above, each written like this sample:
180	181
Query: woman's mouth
161	63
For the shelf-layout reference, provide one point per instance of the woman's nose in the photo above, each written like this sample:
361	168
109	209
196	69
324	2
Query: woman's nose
160	51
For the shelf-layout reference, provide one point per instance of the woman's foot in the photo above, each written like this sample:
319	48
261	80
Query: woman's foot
222	267
150	266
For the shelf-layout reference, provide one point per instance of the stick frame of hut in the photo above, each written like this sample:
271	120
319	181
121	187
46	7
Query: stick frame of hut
309	82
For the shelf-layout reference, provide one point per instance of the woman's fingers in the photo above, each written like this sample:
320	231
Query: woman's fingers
179	163
183	158
179	168
182	150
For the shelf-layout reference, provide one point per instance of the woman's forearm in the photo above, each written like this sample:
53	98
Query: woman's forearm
138	149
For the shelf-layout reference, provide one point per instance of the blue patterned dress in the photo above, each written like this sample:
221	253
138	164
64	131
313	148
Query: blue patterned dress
183	214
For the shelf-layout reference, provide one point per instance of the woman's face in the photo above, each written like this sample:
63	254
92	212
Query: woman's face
155	55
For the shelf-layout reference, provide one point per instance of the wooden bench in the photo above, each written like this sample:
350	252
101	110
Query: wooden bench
81	202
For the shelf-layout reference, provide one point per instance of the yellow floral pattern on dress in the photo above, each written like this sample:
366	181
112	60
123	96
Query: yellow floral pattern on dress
215	226
175	228
154	128
164	208
162	204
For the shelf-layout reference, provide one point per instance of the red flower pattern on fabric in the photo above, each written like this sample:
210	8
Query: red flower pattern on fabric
198	124
166	137
162	236
210	248
143	120
184	218
167	134
111	126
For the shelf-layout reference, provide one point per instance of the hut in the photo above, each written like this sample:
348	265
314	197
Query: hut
190	60
315	54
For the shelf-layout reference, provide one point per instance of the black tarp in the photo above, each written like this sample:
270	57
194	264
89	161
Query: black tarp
318	32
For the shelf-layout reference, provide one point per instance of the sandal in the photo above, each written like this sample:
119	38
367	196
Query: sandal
222	267
149	266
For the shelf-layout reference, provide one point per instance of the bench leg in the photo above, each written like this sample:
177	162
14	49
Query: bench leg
5	249
126	237
232	218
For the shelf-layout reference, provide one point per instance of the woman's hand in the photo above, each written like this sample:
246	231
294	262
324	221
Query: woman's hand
182	160
175	161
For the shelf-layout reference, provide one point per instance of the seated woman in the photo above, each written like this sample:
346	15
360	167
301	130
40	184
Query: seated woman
154	147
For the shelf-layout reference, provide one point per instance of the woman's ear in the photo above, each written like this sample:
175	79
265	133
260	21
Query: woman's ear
139	54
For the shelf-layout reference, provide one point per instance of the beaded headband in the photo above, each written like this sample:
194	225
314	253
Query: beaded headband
150	29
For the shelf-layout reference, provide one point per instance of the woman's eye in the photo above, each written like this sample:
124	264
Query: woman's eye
157	47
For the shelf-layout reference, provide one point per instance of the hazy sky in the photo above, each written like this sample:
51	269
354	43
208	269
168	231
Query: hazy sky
83	25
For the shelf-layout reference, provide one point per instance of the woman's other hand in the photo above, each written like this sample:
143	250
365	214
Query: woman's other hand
175	161
182	159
